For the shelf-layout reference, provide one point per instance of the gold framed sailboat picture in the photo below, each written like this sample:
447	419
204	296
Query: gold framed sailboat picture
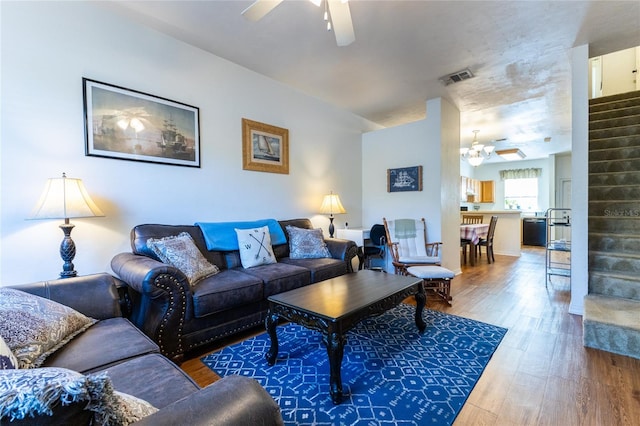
265	148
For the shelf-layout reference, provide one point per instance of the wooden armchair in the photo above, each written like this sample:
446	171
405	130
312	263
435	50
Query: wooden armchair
407	241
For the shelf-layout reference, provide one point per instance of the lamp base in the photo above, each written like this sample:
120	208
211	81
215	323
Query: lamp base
67	251
331	227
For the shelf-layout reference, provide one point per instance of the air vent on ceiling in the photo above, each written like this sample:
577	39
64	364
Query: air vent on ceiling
456	77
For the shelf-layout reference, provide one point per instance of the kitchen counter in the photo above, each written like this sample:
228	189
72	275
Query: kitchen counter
491	212
508	236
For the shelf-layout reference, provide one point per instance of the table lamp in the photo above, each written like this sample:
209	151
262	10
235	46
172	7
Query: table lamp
65	198
331	205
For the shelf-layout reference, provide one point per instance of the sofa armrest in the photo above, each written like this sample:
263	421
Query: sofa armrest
161	300
232	400
98	296
342	249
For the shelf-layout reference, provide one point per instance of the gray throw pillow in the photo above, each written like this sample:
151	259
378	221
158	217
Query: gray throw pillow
306	243
181	252
35	392
34	327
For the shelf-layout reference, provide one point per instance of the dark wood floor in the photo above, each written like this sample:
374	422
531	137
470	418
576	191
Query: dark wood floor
540	374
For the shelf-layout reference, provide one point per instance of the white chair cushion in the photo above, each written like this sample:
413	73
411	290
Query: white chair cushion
430	260
430	272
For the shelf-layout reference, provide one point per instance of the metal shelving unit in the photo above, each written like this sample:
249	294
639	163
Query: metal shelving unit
558	247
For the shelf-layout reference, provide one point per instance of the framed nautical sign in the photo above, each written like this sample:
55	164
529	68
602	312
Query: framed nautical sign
130	125
265	148
404	179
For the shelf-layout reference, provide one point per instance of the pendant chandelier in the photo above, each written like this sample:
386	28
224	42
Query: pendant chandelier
478	151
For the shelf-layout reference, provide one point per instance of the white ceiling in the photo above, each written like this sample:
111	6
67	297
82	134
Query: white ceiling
519	52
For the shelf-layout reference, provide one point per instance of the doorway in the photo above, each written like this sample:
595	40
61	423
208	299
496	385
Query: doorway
614	73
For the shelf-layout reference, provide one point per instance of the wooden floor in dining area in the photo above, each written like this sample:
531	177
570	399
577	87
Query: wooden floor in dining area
540	374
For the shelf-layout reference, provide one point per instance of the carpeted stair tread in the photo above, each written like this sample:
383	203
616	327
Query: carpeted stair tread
627	165
619	225
598	144
612	324
605	244
612	310
611	284
618	112
616	153
617	121
621	178
613	101
624	130
615	192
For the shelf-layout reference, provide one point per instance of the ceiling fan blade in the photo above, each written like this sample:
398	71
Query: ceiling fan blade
341	19
259	9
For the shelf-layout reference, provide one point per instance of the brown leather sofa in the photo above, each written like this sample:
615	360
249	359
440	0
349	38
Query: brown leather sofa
181	318
135	366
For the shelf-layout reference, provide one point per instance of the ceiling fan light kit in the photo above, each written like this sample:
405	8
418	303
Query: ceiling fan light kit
336	13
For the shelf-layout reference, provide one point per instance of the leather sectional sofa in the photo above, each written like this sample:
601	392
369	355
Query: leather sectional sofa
135	366
181	317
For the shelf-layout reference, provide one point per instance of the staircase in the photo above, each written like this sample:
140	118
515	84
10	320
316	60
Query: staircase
611	319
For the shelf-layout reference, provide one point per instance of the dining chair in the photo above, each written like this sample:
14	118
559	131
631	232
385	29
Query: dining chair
464	245
378	240
468	219
488	242
407	242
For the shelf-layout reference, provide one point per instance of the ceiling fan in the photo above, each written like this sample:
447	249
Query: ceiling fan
337	12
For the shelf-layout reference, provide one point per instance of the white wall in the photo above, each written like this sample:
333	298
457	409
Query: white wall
579	177
432	143
47	47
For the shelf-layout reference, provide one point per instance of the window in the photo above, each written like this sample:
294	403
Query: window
521	194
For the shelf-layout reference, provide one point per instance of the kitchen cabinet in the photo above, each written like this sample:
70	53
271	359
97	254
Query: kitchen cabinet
487	191
476	191
466	189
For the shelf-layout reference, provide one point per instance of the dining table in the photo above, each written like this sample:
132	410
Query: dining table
473	232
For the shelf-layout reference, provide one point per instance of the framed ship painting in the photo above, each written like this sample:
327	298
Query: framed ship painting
130	125
404	179
265	148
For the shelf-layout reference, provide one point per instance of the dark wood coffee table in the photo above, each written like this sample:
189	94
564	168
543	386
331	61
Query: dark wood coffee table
335	306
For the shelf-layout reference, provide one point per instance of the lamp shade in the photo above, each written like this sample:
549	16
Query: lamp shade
475	159
65	198
331	205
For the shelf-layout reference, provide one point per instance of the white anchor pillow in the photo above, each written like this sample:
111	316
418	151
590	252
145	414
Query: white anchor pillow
255	247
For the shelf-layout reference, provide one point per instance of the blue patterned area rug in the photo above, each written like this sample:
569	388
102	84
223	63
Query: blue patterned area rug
391	374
